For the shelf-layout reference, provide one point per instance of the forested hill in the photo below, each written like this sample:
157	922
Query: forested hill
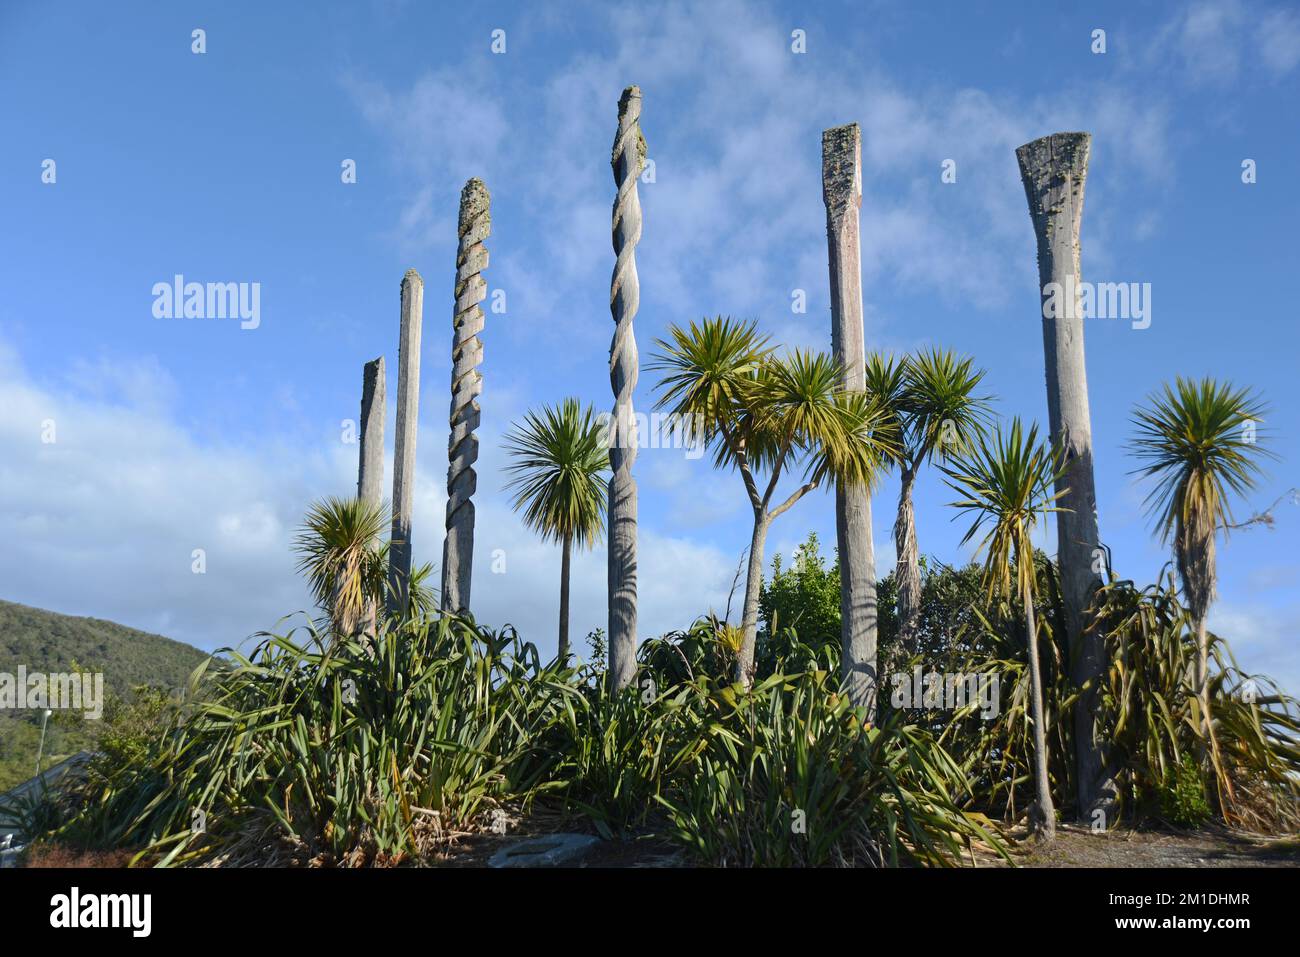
47	641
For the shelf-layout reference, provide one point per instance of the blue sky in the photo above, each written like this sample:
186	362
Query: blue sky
225	166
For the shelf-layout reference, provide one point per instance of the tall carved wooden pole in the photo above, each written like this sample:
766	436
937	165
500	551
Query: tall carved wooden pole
370	468
466	385
1054	169
624	297
374	400
408	415
842	193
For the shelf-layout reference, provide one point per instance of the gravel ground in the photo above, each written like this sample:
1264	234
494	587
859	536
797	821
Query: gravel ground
1079	847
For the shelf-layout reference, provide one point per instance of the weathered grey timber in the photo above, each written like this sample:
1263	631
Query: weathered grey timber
1054	169
627	160
466	385
370	469
408	415
842	193
374	400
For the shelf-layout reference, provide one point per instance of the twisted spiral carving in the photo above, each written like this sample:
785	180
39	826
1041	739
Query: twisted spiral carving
624	299
475	224
625	286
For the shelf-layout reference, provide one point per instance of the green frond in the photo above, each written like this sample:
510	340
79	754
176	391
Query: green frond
1006	482
560	456
886	382
339	551
710	369
1199	441
941	411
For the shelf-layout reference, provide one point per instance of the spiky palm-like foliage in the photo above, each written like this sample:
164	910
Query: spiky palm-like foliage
560	457
1156	720
931	399
422	596
1006	483
787	774
762	413
340	552
1198	440
333	752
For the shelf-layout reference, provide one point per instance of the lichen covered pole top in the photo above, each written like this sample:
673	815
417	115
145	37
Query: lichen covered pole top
627	160
474	226
842	169
1054	170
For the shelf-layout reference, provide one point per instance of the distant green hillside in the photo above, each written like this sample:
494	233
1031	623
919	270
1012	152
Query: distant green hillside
46	641
49	642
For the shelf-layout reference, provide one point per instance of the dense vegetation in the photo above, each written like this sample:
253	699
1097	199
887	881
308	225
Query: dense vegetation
379	738
375	752
49	642
379	752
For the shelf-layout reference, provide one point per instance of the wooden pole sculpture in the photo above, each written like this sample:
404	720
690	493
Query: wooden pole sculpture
842	194
624	297
408	414
466	385
370	469
374	400
1054	169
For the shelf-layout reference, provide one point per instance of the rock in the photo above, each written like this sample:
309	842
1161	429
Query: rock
549	850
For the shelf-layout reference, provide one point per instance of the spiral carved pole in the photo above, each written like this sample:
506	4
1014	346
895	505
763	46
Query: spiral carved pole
408	414
627	161
466	385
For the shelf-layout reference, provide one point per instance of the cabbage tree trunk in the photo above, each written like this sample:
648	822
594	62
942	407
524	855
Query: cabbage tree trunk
565	560
1043	815
907	572
753	584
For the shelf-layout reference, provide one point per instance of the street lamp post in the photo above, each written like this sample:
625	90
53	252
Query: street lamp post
41	750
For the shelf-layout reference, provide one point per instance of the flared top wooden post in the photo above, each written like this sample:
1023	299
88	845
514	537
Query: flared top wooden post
842	194
1054	170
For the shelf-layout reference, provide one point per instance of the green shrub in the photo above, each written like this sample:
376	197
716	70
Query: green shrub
804	597
789	774
1182	795
343	751
1153	717
619	751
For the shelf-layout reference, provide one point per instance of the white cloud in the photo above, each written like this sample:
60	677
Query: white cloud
447	127
1279	41
1213	42
1263	638
733	121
